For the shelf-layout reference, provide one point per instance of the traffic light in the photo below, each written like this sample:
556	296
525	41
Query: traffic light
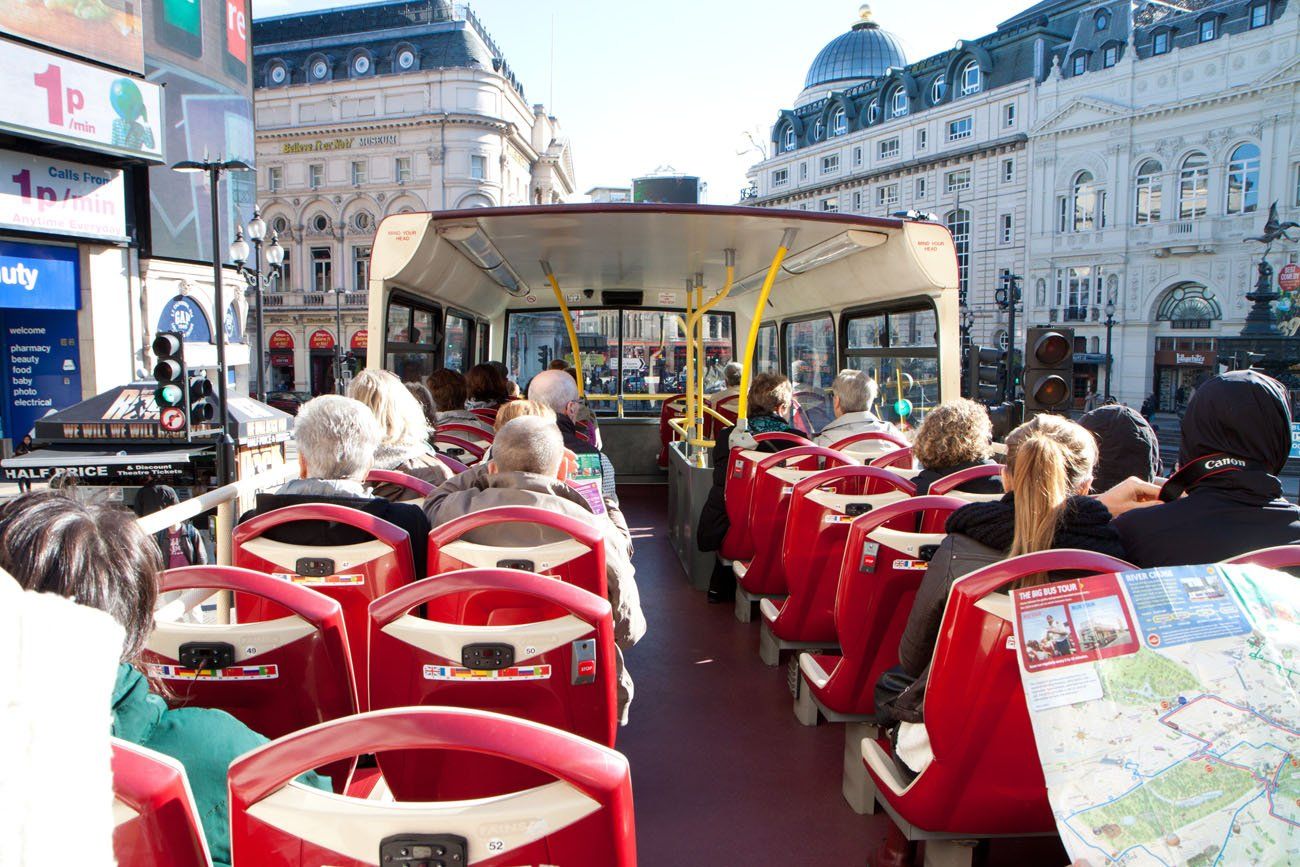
202	402
172	392
543	356
986	373
1049	370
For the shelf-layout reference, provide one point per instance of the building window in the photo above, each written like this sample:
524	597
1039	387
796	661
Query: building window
780	177
887	195
873	111
831	204
830	164
360	268
958	180
839	122
788	140
960	129
358	172
857	201
1074	290
819	130
1080	63
316	175
1194	186
320	223
970	78
1160	42
922	139
938	90
363	222
857	156
1102	20
1148	193
1062	213
1008	171
803	171
1243	179
402	169
275	178
1258	15
1209	29
1189	305
889	148
958	222
322	266
898	104
478	167
1101	209
1109	56
1009	115
922	188
1084	194
1008	228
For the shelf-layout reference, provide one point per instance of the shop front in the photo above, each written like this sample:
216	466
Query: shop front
1181	364
321	357
280	346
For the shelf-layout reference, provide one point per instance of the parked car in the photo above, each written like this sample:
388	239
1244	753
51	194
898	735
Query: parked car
288	401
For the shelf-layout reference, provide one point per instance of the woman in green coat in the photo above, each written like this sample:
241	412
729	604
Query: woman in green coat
99	556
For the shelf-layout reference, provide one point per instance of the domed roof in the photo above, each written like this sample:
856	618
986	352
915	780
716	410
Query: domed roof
864	52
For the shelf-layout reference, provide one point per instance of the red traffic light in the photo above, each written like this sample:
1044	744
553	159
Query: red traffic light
167	343
172	419
1052	348
1051	391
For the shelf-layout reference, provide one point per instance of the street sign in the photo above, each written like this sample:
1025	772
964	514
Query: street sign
1289	277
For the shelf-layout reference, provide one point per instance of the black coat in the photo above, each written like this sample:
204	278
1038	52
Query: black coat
1244	414
927	477
713	522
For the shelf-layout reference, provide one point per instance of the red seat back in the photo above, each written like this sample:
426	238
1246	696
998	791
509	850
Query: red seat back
355	574
566	548
673	407
154	817
289	673
899	459
416	488
949	484
986	777
473	433
562	670
725	407
487	414
1284	558
822	508
582	816
459	448
451	463
871	444
738	544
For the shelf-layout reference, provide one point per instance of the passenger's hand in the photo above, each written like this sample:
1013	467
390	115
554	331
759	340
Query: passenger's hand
1132	493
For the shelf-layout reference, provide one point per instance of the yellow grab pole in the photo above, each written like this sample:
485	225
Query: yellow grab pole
690	367
568	324
729	257
742	405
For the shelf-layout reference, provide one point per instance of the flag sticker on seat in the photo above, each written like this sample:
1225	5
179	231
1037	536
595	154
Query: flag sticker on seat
838	518
350	579
230	672
458	673
911	565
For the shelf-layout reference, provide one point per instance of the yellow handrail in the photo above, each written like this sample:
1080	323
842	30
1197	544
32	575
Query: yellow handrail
679	425
751	342
568	324
697	321
689	337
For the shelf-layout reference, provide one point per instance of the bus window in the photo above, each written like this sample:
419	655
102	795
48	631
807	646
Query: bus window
456	337
810	364
718	345
481	348
900	350
767	355
410	339
534	340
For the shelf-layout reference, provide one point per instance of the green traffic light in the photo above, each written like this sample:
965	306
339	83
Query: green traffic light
169	395
903	407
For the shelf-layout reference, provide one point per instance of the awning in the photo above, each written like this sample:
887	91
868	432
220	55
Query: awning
106	466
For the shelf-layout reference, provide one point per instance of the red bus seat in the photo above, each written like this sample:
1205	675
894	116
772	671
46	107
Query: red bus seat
470	432
566	548
579	815
417	489
286	674
1284	558
872	444
486	413
774	479
985	779
355	574
560	667
725	407
879	574
451	463
673	407
900	462
812	550
949	485
738	544
155	820
459	448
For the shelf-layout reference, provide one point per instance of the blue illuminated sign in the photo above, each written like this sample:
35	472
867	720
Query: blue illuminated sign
38	277
40	365
186	316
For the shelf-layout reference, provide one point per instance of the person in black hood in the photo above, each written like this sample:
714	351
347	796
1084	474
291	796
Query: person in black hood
1126	446
1225	498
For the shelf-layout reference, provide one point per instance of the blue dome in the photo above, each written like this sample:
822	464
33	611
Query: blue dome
864	52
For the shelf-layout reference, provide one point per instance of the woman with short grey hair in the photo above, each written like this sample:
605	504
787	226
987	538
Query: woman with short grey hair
404	442
853	394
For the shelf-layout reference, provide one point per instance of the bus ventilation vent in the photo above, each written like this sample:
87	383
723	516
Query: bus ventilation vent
621	298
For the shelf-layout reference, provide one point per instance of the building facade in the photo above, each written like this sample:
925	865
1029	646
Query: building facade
374	110
1162	136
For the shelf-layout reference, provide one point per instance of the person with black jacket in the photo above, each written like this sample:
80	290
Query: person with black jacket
1226	498
1126	446
956	435
770	395
179	544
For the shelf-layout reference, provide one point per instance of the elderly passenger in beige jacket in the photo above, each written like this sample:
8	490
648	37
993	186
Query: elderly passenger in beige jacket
527	457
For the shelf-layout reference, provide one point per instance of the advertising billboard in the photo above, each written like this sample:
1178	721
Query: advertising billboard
61	198
107	31
38	277
668	190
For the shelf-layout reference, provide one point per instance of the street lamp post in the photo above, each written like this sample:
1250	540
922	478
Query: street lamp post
256	278
214	168
1110	361
338	342
1007	297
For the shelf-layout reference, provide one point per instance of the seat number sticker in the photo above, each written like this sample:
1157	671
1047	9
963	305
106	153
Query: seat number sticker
911	565
233	672
341	580
517	672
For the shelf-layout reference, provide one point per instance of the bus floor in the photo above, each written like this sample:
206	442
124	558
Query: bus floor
722	772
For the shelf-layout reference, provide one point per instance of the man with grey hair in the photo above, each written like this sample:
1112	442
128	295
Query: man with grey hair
731	375
528	468
854	394
337	437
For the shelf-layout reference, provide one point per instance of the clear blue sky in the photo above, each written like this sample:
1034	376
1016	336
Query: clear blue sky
679	82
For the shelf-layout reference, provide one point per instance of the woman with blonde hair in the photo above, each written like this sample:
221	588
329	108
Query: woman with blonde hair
956	435
1047	477
405	444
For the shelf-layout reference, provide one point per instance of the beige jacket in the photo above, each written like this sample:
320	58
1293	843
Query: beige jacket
475	491
417	460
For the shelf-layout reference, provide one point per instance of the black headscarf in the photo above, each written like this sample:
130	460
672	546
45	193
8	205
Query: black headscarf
1245	414
1126	446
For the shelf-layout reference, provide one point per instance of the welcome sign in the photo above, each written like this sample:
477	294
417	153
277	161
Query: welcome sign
38	277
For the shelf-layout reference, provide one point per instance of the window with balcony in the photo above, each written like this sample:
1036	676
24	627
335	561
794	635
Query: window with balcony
1075	288
1194	186
887	195
1147	193
780	177
889	148
957	180
361	268
322	268
961	128
316	175
1243	179
830	164
275	179
831	204
402	170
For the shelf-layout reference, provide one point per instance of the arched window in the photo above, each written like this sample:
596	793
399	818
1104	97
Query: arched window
1189	305
819	130
1194	186
788	140
938	90
1243	179
1084	196
1148	192
839	121
958	222
898	103
873	111
970	78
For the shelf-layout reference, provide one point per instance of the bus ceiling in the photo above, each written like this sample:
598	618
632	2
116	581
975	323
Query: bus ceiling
488	260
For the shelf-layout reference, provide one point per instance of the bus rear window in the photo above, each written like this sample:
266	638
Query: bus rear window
899	349
411	340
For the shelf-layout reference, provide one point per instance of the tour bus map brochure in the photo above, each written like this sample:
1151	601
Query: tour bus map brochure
1164	705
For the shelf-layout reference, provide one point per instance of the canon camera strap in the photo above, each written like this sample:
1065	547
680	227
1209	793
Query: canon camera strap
1192	473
